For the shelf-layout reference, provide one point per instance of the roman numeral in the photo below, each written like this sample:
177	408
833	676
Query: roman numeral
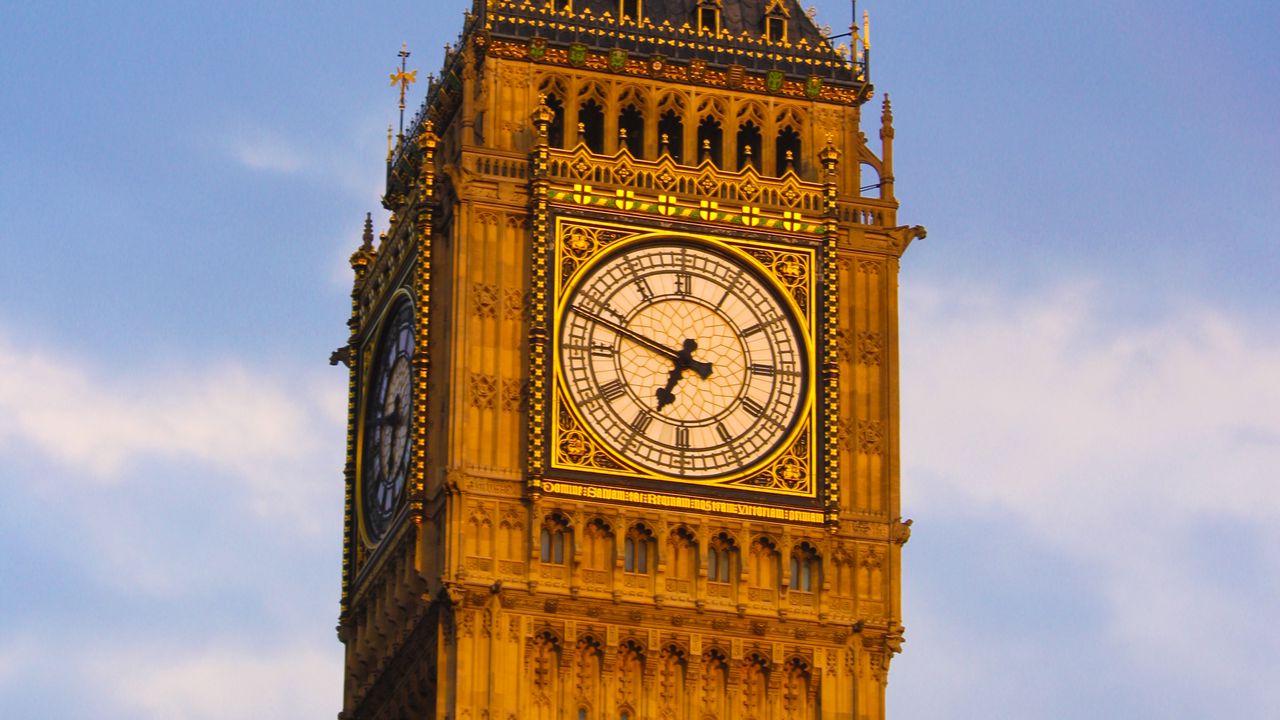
641	422
752	407
682	437
684	283
613	390
761	369
746	332
602	350
723	432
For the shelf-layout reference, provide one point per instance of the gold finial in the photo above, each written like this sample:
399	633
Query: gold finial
866	30
389	146
582	128
404	78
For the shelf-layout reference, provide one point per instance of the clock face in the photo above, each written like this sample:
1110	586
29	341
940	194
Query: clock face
387	425
682	358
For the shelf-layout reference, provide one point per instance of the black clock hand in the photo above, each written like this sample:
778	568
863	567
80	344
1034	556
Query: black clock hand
631	335
682	361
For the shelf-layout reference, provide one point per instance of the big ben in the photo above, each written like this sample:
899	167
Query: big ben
623	398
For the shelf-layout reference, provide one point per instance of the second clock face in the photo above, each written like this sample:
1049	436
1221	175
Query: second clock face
682	358
388	425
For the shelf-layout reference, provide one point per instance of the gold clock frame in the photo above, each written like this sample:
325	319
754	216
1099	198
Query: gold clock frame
791	469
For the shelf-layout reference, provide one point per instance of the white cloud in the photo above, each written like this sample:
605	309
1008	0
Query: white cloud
1113	443
268	154
271	432
223	683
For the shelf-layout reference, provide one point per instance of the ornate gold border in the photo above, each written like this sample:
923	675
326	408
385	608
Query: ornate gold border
578	244
372	343
680	502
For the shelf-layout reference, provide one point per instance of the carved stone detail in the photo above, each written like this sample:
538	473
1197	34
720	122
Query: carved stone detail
514	392
513	304
484	300
484	390
870	437
869	348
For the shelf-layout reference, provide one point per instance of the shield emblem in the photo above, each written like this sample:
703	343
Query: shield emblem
537	48
617	60
773	81
813	87
577	54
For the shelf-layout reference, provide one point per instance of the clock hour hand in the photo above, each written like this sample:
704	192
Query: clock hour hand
631	335
682	361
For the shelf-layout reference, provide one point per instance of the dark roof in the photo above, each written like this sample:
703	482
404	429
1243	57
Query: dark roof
736	16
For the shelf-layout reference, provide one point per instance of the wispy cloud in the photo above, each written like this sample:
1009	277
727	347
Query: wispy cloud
221	683
1147	453
264	429
268	154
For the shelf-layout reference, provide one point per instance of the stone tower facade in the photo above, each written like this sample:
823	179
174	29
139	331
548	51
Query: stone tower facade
730	550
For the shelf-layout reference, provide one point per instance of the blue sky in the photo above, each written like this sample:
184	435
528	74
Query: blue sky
1091	395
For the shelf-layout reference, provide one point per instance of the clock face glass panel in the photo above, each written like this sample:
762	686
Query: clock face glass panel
682	358
387	425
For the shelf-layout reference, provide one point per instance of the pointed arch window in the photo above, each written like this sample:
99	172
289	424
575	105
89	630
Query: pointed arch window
555	540
721	555
629	11
631	130
671	135
775	22
806	568
710	140
709	17
638	550
591	125
786	151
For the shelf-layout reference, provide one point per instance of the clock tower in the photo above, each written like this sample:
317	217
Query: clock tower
623	400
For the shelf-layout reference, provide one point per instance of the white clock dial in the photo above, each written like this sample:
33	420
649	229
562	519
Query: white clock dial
682	358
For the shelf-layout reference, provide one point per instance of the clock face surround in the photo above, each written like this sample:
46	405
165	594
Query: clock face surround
387	425
682	357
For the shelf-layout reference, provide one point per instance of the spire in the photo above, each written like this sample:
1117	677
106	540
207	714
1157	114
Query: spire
886	149
368	232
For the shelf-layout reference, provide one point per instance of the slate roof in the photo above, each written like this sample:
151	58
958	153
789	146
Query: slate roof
736	15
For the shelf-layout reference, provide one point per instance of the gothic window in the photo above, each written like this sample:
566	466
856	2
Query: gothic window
629	10
597	546
777	29
544	664
764	564
671	681
671	135
555	539
631	130
786	151
629	672
715	683
591	125
709	17
710	140
755	681
775	22
797	689
720	559
806	568
748	145
555	132
638	548
589	685
511	538
683	558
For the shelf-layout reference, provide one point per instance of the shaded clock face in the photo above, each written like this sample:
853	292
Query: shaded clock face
682	358
387	425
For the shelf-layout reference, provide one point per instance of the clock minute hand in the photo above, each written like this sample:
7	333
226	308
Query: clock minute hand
631	335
